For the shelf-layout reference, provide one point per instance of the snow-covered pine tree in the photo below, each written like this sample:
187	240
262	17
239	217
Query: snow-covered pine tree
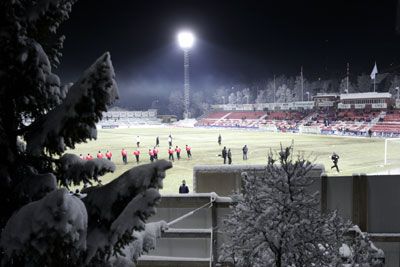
42	224
275	221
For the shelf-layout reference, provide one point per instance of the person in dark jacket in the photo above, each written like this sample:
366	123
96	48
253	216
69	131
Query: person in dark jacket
219	139
157	141
229	156
245	150
224	154
335	159
183	189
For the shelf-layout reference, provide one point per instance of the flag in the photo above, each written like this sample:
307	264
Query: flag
374	72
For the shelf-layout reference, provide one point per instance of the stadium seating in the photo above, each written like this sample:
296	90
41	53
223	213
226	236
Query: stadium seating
390	124
282	120
126	119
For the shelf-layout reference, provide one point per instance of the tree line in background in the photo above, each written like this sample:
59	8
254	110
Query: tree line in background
282	89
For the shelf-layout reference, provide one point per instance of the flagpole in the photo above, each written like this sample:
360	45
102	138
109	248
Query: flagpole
374	83
373	75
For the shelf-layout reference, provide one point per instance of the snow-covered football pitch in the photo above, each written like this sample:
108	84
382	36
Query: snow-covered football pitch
357	154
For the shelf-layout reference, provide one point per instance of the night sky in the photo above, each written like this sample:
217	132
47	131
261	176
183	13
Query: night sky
237	41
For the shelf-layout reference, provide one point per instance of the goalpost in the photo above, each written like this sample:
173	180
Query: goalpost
391	140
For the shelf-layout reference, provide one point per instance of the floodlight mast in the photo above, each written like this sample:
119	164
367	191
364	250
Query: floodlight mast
186	40
186	85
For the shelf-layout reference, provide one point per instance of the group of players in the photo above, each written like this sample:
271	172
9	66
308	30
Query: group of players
226	154
152	153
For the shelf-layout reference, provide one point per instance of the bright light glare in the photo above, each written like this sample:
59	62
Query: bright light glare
185	39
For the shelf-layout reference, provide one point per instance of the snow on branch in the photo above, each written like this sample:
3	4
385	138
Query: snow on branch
120	207
142	205
40	228
119	234
34	186
41	7
76	170
123	189
144	242
73	121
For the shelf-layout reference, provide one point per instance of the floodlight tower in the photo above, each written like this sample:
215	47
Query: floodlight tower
186	41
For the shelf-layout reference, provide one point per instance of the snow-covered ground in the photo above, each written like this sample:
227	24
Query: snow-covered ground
391	171
185	123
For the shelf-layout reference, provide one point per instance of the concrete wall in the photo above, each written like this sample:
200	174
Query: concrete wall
227	179
190	238
384	204
372	202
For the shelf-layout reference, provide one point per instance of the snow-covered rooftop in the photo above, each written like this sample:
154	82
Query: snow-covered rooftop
365	95
325	95
238	168
115	108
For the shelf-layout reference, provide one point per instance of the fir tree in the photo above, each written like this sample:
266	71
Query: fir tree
42	224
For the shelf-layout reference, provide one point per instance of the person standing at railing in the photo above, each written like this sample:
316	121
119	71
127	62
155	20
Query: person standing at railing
183	189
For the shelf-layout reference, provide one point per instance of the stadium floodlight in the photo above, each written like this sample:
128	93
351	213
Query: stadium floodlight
186	41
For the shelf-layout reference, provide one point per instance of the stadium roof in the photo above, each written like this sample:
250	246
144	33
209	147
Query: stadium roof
326	94
365	95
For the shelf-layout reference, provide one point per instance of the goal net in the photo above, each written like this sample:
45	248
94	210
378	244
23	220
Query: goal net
392	149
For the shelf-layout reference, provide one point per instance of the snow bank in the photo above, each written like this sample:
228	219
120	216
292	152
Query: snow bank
185	123
37	225
345	251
